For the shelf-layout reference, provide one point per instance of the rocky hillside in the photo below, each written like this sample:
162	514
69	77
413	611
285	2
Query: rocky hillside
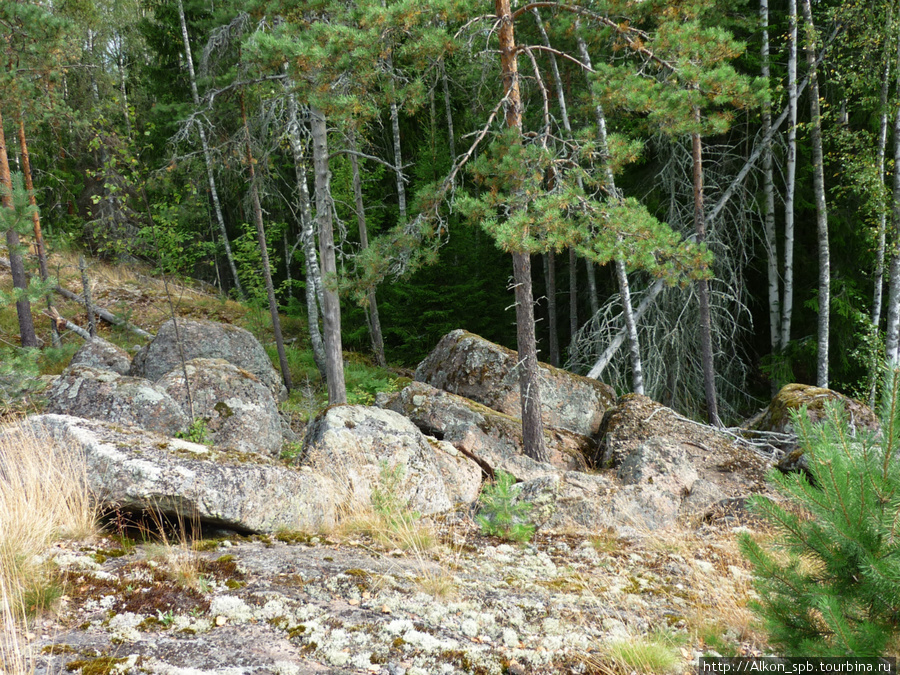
239	536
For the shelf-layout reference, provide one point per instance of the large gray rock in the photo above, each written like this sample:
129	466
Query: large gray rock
101	394
365	449
98	353
491	436
135	470
653	491
211	340
469	365
239	412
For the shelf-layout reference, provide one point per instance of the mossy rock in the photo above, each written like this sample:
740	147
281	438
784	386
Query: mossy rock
778	416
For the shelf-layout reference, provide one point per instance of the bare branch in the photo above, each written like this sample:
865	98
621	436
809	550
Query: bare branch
556	52
373	158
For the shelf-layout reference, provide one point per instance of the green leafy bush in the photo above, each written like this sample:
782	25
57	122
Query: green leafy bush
501	515
829	582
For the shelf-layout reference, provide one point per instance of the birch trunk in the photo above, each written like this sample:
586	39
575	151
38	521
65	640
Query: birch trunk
552	323
893	319
372	318
264	253
706	348
529	380
769	200
331	308
573	295
450	135
398	161
634	345
787	303
27	335
882	223
821	206
207	158
314	298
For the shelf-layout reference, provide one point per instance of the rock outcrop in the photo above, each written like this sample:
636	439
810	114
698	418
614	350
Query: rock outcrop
792	397
100	394
468	365
134	470
654	483
98	353
364	449
493	437
207	339
238	411
778	417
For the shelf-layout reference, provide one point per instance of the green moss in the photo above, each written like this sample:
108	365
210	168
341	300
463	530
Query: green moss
103	665
53	650
223	409
294	537
297	632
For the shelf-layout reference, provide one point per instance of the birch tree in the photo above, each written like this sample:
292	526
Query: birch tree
207	156
824	297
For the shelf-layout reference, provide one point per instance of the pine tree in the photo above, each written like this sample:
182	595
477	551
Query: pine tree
829	585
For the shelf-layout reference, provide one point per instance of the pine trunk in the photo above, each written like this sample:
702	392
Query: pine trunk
36	220
264	254
706	348
821	206
372	318
207	158
27	335
529	374
331	308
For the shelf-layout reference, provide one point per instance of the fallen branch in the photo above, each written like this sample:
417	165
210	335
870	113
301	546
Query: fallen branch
64	324
107	316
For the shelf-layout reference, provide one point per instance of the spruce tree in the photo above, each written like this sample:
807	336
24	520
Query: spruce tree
829	583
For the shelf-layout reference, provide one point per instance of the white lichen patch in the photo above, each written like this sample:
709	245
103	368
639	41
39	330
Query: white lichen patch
124	627
232	608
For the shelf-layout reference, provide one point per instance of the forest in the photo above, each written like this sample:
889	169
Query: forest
693	199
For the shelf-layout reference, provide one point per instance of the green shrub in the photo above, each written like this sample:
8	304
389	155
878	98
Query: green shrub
501	515
829	583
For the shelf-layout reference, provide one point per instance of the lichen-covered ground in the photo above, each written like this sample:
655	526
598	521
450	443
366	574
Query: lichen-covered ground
348	603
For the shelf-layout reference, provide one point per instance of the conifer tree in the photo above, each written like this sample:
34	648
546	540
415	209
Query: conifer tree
829	584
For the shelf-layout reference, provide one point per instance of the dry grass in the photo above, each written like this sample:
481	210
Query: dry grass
43	498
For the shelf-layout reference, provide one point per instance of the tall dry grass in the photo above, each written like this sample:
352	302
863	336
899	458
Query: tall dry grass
43	498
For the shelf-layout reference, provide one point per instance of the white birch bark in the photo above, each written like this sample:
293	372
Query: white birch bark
634	345
331	308
314	298
878	293
893	317
372	318
787	303
821	205
552	326
450	135
769	199
207	158
398	161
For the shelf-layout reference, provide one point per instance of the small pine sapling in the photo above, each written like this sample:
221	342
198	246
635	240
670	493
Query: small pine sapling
501	514
829	582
